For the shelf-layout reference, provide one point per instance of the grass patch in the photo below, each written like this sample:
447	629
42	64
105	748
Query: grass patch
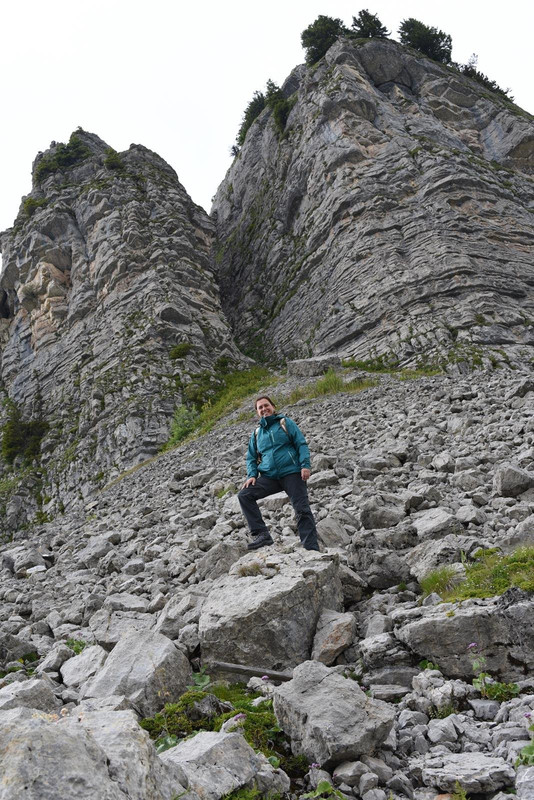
492	573
441	581
331	383
235	387
257	724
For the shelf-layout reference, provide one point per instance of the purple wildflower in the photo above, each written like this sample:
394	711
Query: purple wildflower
315	765
265	678
473	644
528	716
239	716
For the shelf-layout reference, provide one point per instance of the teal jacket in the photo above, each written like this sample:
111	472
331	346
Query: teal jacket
281	453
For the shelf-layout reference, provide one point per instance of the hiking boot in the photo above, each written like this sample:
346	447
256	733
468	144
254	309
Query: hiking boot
261	540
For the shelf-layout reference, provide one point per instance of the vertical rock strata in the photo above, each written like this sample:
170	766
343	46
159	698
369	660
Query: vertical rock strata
392	217
106	270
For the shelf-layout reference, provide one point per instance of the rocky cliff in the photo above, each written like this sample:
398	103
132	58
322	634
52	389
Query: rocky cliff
110	310
392	217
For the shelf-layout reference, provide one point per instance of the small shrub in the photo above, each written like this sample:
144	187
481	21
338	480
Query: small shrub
425	664
31	205
21	438
76	645
526	756
65	156
179	350
113	161
459	792
324	791
184	423
252	111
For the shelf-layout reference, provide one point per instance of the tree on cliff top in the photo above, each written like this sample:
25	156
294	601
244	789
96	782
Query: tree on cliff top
433	43
368	26
319	37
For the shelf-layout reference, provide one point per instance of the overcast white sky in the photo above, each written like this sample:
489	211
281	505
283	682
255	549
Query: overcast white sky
176	75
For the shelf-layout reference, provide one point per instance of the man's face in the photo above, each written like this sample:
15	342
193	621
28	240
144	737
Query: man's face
264	408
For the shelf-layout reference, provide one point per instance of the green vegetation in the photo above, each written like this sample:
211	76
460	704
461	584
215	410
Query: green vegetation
459	792
492	573
279	105
425	664
526	756
368	26
65	156
319	37
76	645
441	581
470	71
252	112
179	350
433	43
202	411
324	791
31	205
257	724
20	438
113	161
331	383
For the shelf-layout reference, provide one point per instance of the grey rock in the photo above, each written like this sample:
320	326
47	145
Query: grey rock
282	606
217	764
475	772
81	668
510	480
335	632
33	693
436	523
147	668
324	733
331	533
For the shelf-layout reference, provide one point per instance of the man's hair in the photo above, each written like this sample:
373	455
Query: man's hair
263	397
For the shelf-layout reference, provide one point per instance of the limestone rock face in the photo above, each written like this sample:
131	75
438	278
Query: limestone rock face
391	218
106	270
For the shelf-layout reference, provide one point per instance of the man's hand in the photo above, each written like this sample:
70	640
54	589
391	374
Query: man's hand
305	474
249	482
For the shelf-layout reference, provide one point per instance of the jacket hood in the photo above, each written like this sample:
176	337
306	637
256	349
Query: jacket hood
266	421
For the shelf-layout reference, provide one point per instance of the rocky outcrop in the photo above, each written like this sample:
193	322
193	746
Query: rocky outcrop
391	219
110	310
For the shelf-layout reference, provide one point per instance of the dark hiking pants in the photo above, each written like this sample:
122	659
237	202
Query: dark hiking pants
296	490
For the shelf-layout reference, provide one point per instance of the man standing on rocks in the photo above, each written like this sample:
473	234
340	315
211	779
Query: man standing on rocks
278	460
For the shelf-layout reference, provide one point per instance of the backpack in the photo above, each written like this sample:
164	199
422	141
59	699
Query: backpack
283	425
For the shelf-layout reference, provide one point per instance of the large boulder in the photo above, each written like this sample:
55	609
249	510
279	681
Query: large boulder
265	611
476	773
510	480
216	764
330	731
103	756
147	668
503	628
